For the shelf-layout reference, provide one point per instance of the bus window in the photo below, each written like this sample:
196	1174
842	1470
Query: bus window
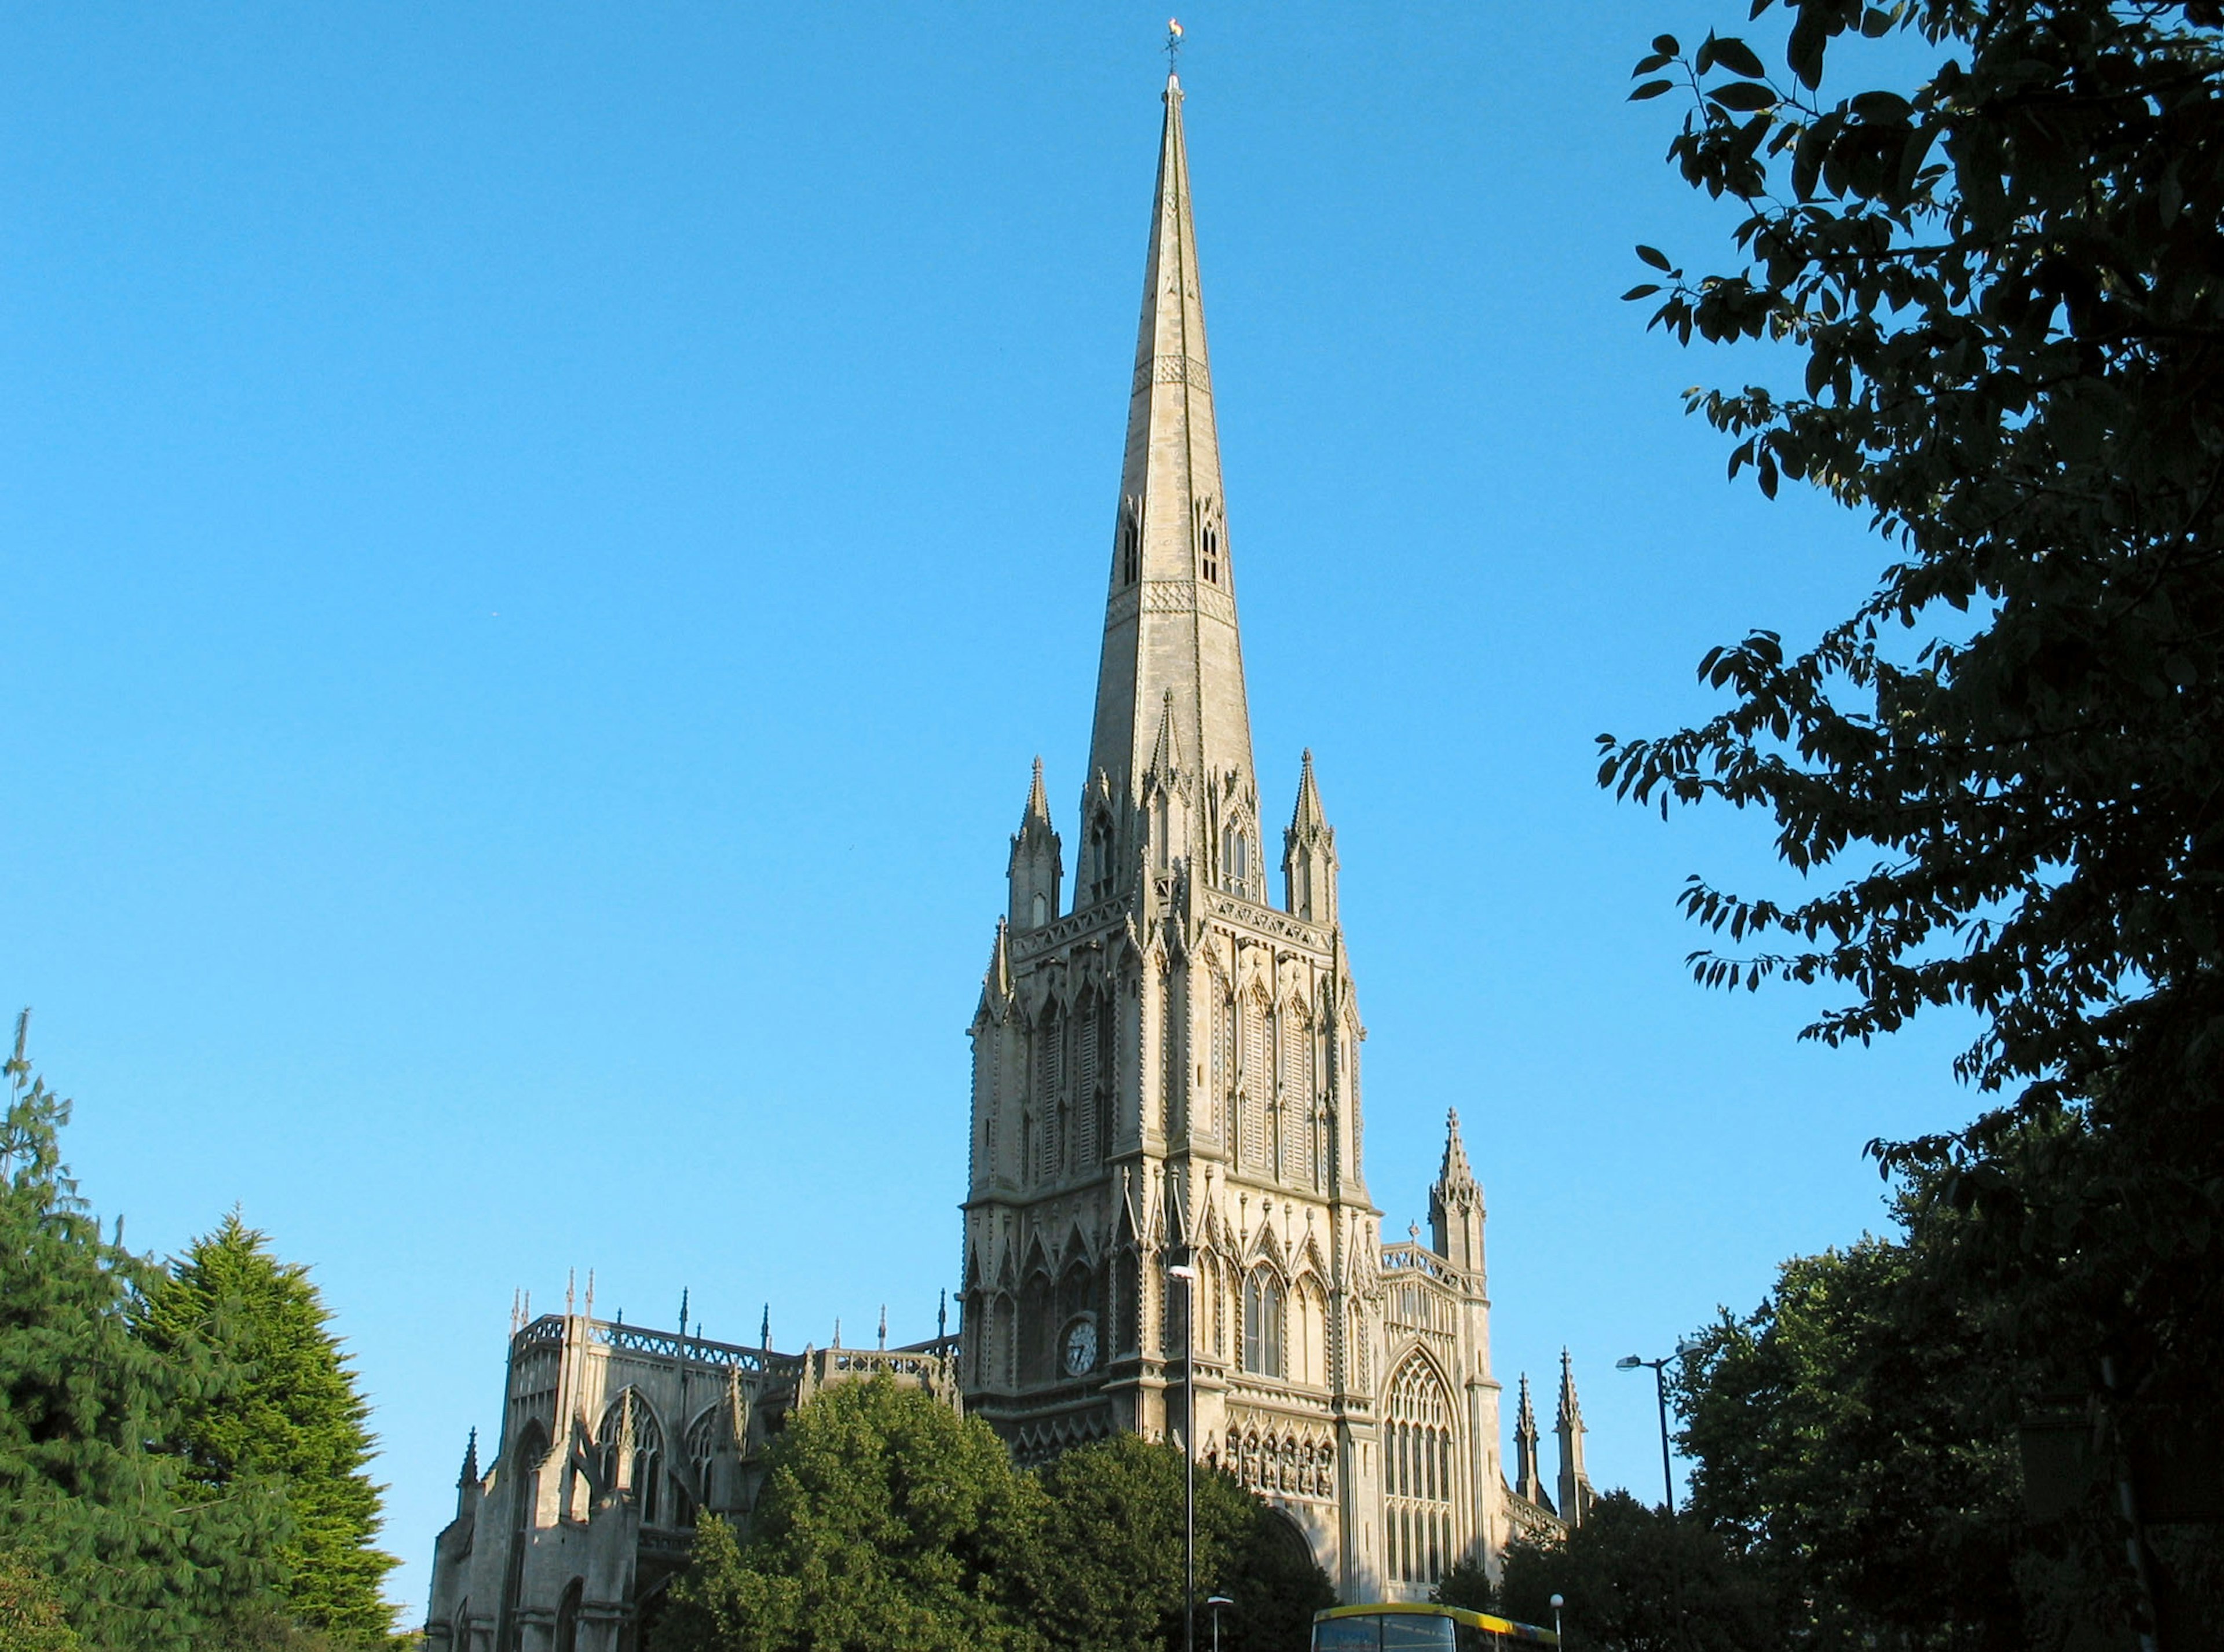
1348	1635
1404	1633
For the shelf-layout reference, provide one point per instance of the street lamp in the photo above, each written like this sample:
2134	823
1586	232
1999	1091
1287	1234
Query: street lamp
1659	1369
1187	1274
1216	1602
1558	1601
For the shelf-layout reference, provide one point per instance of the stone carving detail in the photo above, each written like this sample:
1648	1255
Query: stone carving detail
1173	370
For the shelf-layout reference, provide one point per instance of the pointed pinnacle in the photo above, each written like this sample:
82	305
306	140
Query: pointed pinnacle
1307	816
1038	800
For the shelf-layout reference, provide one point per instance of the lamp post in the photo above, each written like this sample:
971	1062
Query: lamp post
1216	1602
1659	1369
1558	1601
1187	1274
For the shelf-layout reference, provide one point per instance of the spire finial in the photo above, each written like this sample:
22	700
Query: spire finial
1173	51
942	1316
884	1324
764	1330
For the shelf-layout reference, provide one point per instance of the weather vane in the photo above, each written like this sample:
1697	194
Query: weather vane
1173	45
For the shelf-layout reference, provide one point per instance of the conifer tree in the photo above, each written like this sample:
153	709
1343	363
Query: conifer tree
295	1416
139	1557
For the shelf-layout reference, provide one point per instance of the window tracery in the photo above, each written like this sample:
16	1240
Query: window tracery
1419	1474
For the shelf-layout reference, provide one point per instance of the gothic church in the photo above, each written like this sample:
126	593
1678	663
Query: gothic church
1167	1190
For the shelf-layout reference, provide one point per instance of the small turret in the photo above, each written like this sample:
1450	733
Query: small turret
1528	1479
1455	1213
1575	1484
1165	795
467	1483
1038	861
1308	855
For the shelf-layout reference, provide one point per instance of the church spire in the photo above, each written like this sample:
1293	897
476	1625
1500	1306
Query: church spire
1170	617
1575	1480
1527	1481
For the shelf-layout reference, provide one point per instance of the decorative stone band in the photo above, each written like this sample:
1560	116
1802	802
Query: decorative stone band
1171	597
1265	920
1173	369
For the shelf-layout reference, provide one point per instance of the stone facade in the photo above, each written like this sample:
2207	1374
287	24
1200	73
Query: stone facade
1166	1075
614	1438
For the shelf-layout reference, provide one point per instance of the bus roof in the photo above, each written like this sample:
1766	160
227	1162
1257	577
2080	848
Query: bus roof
1430	1609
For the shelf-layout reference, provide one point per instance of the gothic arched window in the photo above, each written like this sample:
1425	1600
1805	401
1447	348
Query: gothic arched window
567	1616
1209	541
648	1462
703	1446
1100	857
1263	1323
1131	541
1421	1474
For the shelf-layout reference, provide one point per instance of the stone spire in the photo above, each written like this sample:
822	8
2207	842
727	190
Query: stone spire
1575	1484
1170	618
1038	861
1455	1213
1309	854
1528	1479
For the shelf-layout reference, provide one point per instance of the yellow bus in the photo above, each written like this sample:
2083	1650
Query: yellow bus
1395	1626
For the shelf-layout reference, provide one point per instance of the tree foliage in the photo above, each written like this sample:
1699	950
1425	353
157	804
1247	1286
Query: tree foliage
31	1615
92	1495
294	1416
1108	1567
1856	1433
1636	1580
886	1520
2001	778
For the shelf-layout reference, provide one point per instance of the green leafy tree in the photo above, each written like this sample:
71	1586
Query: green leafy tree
1857	1432
295	1416
1639	1580
31	1615
885	1520
1998	292
90	1495
1109	1565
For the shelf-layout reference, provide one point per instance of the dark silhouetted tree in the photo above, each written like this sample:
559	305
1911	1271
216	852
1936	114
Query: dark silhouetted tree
1996	291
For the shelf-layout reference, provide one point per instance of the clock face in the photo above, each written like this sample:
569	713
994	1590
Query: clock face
1080	1348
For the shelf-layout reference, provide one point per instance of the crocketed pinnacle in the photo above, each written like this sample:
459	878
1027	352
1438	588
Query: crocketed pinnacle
1037	808
1307	816
1454	1171
1170	625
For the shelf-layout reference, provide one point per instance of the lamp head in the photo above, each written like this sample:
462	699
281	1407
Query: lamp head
1558	1601
1219	1600
1627	1362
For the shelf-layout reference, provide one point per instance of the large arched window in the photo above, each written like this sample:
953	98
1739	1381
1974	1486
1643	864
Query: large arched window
1263	1323
567	1616
647	1463
705	1438
1421	1472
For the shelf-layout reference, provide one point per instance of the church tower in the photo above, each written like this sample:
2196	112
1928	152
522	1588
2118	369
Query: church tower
1167	1068
1167	1179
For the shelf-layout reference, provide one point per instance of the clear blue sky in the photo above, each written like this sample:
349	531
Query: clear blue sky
538	544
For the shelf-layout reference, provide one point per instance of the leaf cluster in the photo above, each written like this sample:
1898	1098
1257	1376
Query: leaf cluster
2007	286
2001	778
886	1519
